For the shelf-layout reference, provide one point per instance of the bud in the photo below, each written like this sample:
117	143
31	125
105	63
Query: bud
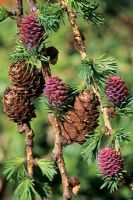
111	112
74	184
52	52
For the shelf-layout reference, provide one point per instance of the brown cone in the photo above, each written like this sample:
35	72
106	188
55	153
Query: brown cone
17	107
81	119
26	79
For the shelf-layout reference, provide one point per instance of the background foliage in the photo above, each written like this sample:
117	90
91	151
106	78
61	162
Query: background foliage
115	38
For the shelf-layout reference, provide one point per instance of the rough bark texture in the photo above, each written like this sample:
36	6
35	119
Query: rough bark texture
58	157
29	148
19	11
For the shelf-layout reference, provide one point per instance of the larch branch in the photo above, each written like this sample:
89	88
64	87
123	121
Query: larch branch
84	56
26	126
53	120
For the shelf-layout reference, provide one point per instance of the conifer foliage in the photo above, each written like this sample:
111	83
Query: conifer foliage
73	113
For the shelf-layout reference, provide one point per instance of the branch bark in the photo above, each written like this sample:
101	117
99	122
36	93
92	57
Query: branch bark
19	11
29	135
58	157
29	148
46	70
84	56
104	110
32	6
76	32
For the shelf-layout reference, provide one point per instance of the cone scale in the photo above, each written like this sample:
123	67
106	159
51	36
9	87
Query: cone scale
26	79
116	90
81	119
110	162
17	106
31	32
56	91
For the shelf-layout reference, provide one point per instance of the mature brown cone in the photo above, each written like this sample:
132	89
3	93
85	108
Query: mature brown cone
81	119
17	107
26	79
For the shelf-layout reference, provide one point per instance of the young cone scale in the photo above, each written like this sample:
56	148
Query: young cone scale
81	119
56	91
116	90
31	32
17	106
109	161
26	79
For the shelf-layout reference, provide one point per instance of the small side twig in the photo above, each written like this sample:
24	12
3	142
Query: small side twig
19	11
32	6
46	70
58	157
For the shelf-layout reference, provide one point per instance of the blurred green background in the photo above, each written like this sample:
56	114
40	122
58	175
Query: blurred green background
114	38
